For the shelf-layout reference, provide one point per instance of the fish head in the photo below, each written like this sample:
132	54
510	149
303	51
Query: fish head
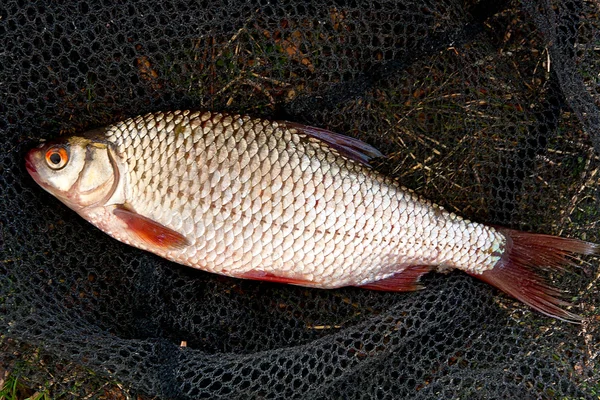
79	171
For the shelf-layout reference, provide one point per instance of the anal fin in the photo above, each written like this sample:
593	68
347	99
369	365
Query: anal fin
403	281
149	231
269	277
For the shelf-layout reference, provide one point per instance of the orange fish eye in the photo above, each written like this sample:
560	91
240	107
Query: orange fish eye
57	157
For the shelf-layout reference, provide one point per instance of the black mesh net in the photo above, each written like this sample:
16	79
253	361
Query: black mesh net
490	109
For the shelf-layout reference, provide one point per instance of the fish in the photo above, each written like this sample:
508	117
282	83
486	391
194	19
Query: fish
284	202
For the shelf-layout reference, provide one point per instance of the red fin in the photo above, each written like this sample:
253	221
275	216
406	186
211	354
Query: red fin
517	272
404	281
349	147
151	232
268	277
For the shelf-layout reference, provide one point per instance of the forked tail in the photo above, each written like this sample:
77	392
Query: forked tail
517	273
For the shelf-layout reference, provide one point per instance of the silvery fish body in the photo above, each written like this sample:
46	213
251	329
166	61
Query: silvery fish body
279	201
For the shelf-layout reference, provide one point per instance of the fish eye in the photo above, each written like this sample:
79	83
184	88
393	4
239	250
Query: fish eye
57	157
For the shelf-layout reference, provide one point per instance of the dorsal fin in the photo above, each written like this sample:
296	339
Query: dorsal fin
348	147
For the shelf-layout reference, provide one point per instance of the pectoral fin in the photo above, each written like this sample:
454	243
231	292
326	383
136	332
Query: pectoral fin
149	231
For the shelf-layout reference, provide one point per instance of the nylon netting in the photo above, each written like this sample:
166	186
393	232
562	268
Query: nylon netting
489	108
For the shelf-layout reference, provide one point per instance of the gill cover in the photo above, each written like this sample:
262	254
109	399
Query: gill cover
79	171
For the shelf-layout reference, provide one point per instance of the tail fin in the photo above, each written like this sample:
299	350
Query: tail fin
517	272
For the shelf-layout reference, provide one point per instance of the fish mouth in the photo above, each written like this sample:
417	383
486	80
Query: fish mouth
29	165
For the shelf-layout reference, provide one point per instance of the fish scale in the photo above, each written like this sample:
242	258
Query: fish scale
217	136
279	201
